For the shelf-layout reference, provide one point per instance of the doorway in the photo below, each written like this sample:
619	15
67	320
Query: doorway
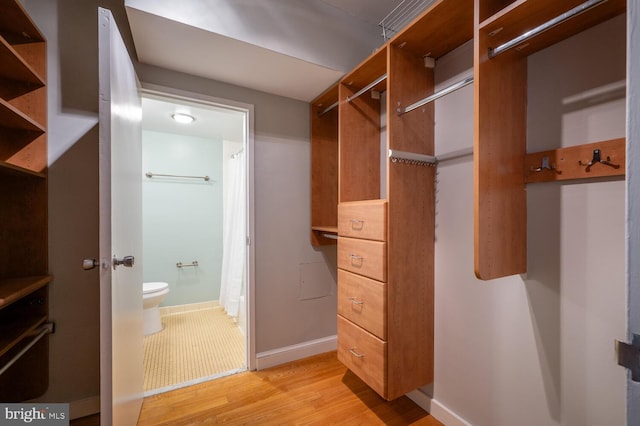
197	213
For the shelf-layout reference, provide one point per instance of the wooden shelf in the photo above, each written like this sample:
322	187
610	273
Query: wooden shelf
17	170
13	289
23	215
13	118
524	15
326	229
16	25
15	68
438	30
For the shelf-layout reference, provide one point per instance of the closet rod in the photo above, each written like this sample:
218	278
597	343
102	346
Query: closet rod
549	24
45	329
367	87
329	108
454	154
150	175
412	158
330	236
439	94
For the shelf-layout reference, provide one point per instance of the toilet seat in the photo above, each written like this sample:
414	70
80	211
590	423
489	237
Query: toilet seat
154	286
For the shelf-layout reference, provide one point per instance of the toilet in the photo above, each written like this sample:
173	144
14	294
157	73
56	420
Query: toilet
152	294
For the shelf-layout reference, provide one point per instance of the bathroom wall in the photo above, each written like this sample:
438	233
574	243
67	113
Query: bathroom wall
182	218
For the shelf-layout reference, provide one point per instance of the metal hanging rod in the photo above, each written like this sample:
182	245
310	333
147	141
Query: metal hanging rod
330	236
547	25
150	175
187	265
454	154
367	87
44	329
329	108
438	94
412	158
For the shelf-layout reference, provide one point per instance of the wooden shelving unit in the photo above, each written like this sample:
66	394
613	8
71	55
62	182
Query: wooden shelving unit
502	166
385	226
24	275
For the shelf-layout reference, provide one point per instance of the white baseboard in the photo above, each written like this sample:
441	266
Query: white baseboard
442	413
84	407
295	352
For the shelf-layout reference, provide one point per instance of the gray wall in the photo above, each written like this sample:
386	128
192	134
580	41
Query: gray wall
282	201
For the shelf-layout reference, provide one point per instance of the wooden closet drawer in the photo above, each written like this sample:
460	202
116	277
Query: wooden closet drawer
363	219
363	353
364	257
363	301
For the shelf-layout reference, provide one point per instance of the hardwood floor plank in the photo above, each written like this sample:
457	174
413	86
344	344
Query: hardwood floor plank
316	390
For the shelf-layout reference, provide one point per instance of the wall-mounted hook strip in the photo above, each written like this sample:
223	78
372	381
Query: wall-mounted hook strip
544	165
597	158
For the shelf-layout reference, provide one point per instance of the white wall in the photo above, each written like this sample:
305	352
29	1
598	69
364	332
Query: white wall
182	218
535	349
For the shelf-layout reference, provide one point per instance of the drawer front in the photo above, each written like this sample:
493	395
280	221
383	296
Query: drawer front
363	301
363	257
363	219
364	354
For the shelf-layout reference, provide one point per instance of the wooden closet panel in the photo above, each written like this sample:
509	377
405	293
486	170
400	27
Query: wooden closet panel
410	277
409	82
500	131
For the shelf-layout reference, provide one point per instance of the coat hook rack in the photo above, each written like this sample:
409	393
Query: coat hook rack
597	158
544	165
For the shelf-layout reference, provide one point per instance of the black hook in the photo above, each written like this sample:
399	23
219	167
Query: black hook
545	166
598	159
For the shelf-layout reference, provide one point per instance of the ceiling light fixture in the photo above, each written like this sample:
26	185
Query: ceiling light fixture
183	118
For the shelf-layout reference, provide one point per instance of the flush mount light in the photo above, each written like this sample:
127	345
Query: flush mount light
183	118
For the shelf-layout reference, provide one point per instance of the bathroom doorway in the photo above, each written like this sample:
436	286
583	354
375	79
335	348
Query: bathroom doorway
197	216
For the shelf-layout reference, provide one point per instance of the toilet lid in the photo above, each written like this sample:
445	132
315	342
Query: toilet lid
153	286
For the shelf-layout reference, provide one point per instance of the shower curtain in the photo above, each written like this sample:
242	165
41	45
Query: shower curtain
234	237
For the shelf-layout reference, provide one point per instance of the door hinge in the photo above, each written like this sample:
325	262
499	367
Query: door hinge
629	356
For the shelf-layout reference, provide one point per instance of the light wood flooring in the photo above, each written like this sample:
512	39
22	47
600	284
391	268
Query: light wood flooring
316	390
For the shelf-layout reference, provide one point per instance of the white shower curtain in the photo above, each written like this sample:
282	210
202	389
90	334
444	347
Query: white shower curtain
234	237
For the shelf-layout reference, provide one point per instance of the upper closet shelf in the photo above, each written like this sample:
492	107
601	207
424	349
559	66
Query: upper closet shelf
553	19
15	68
17	26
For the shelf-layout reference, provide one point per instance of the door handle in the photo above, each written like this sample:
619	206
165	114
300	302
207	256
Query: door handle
126	261
88	264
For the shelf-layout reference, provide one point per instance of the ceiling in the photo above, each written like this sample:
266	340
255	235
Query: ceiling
291	48
211	122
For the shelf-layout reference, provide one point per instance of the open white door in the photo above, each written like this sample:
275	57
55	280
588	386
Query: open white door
121	336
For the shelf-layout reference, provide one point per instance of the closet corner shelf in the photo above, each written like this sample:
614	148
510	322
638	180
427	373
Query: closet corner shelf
17	24
13	289
326	229
15	68
12	118
6	167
